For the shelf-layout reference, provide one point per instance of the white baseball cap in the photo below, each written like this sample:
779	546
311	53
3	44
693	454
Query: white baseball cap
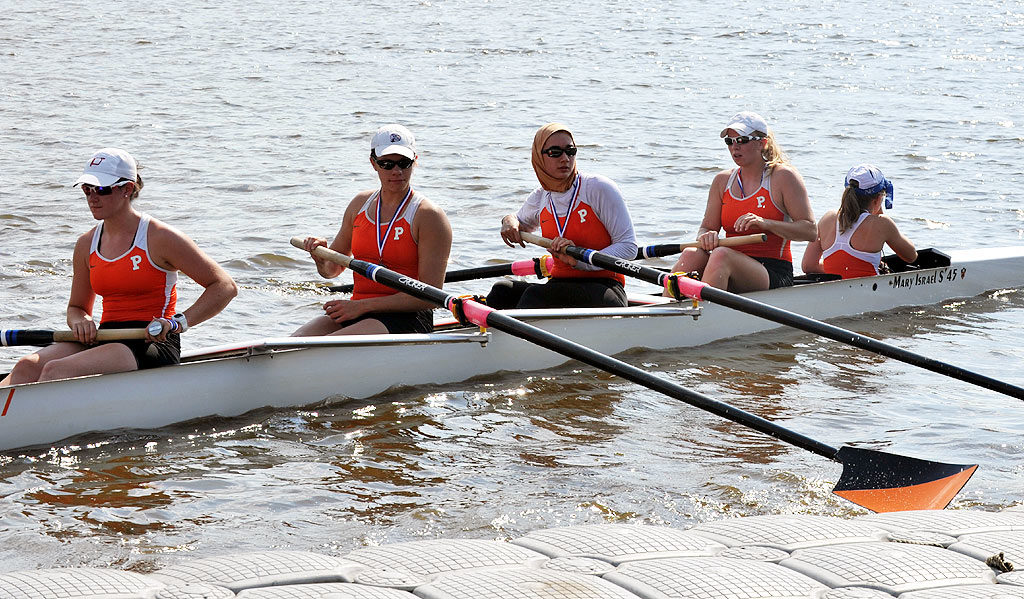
394	139
745	123
870	181
107	166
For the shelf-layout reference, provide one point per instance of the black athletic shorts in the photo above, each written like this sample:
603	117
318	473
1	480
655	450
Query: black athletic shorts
148	355
400	322
780	272
570	292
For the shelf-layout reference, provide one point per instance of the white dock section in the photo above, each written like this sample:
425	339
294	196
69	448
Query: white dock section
959	554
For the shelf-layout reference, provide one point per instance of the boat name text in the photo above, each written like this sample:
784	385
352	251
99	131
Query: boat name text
908	280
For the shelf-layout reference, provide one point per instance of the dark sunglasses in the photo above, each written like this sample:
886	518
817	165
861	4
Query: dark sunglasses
387	165
101	190
742	139
555	151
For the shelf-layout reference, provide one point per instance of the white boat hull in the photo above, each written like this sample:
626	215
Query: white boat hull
292	372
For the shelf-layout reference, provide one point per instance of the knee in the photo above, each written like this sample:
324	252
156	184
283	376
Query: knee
502	296
53	370
691	259
26	370
720	257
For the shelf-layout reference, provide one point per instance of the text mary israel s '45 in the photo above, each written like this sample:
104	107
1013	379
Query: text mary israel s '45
908	280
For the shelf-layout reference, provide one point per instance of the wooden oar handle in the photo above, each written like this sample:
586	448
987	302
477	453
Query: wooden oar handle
323	251
543	242
103	335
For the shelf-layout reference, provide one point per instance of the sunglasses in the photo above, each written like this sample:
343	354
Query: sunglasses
101	190
742	139
387	165
556	152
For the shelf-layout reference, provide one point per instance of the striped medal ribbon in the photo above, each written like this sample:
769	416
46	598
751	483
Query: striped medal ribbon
562	224
381	242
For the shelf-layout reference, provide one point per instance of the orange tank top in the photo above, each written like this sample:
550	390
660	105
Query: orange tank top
583	227
388	243
762	204
132	287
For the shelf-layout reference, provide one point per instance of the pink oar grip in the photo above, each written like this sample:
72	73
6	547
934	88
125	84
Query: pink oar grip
522	268
525	268
689	287
475	312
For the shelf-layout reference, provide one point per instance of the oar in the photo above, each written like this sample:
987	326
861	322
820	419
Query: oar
41	337
541	267
873	479
668	249
702	291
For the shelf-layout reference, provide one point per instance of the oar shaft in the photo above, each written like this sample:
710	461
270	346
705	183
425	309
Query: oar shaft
45	337
629	372
702	291
669	249
743	304
485	316
540	267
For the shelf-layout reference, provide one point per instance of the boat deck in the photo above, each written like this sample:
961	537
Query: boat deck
952	554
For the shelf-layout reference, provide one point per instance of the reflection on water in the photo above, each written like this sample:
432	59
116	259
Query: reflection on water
515	453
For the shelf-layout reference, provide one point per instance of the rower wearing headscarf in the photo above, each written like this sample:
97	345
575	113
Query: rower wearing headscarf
570	208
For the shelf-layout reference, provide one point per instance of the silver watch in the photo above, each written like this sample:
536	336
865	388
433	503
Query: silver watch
182	322
155	328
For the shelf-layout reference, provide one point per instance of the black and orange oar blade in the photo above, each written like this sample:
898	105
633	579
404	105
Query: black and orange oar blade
886	482
875	480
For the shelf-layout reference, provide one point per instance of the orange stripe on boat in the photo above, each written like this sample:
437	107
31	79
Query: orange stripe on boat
8	403
934	495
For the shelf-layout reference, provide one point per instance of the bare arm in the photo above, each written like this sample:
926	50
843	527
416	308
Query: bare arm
174	250
83	298
707	234
812	255
342	239
793	194
899	243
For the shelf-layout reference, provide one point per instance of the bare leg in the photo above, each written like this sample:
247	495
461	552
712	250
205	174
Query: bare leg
735	271
102	359
324	325
692	259
28	368
321	325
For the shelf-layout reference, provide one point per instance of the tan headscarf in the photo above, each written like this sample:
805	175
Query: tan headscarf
547	181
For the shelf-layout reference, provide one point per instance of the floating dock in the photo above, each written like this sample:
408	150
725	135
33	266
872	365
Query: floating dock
954	554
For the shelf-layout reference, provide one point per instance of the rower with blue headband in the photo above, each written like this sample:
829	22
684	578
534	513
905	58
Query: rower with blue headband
850	240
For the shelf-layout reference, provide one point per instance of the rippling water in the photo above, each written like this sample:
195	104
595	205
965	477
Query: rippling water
252	120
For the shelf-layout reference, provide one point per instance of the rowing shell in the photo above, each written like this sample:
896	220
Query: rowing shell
231	380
